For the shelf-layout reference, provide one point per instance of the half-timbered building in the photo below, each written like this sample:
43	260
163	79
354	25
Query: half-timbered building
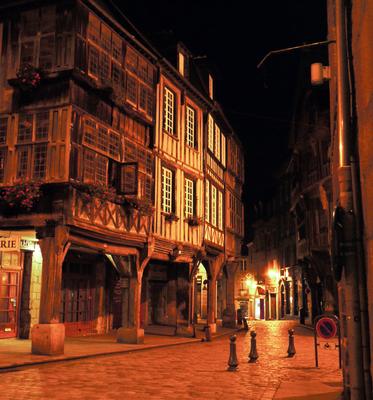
112	180
77	109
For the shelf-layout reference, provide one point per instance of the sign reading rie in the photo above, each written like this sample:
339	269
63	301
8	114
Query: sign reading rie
10	243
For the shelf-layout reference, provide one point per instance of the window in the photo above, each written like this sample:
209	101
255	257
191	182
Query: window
190	129
38	37
211	87
210	140
95	168
40	161
167	189
213	205
3	154
169	111
3	129
207	201
32	145
189	197
220	211
217	142
128	184
223	150
181	63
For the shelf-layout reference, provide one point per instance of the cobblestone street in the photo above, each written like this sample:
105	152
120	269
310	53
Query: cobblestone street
192	371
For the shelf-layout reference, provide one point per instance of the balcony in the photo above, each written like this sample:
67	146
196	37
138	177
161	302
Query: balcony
94	212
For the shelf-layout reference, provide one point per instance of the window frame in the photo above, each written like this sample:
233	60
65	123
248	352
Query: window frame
169	111
167	190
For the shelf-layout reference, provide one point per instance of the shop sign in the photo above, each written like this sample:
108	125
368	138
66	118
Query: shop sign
28	244
11	243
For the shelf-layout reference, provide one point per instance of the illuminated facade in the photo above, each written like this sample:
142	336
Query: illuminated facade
113	185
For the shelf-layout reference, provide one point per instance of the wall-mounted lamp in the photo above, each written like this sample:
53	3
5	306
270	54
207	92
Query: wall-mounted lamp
175	252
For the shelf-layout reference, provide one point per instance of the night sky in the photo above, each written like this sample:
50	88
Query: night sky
258	103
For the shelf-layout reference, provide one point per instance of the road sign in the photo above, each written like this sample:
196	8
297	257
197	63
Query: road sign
326	328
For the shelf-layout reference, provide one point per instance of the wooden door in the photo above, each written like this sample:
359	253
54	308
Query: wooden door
9	293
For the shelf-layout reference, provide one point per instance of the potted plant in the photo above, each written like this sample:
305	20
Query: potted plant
21	197
193	220
170	217
28	77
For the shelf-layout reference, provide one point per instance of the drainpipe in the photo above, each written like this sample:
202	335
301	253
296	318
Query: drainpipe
349	302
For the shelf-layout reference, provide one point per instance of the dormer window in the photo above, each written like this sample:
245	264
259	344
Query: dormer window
211	87
181	63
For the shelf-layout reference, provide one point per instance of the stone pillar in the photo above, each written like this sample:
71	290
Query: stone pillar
229	316
49	335
131	332
211	304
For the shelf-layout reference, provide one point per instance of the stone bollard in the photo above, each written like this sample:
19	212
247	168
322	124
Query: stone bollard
253	355
207	333
291	348
232	361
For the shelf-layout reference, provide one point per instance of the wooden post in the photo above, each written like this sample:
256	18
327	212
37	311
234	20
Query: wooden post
49	335
211	303
131	332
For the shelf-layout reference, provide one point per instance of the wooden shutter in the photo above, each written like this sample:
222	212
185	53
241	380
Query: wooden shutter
128	181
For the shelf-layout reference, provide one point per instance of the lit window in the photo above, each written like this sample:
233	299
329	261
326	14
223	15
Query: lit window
207	201
210	141
213	205
167	190
181	61
189	197
220	211
217	142
223	150
3	129
211	87
190	126
169	111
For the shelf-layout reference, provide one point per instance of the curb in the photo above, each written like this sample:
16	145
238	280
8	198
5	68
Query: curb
30	364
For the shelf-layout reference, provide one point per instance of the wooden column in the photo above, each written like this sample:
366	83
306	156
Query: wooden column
131	331
48	336
211	303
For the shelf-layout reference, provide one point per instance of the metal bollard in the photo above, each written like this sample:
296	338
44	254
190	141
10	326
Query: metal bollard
232	361
207	333
291	348
253	355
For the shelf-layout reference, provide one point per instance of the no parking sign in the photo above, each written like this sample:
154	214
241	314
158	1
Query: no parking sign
327	327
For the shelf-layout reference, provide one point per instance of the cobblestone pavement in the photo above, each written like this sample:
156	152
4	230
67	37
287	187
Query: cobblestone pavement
192	371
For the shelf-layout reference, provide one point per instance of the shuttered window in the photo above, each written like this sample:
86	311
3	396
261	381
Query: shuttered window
210	139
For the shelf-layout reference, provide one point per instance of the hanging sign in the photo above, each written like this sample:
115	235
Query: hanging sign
10	243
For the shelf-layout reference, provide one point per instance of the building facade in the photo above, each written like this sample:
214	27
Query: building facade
112	175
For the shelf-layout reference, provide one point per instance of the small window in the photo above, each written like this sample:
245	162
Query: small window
25	128
40	161
167	190
214	205
211	87
42	125
210	139
3	129
189	197
169	111
207	201
128	180
181	63
190	128
3	154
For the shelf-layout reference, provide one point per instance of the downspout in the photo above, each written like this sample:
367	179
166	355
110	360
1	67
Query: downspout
348	287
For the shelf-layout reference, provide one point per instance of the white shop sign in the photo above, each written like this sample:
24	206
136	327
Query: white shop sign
11	243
